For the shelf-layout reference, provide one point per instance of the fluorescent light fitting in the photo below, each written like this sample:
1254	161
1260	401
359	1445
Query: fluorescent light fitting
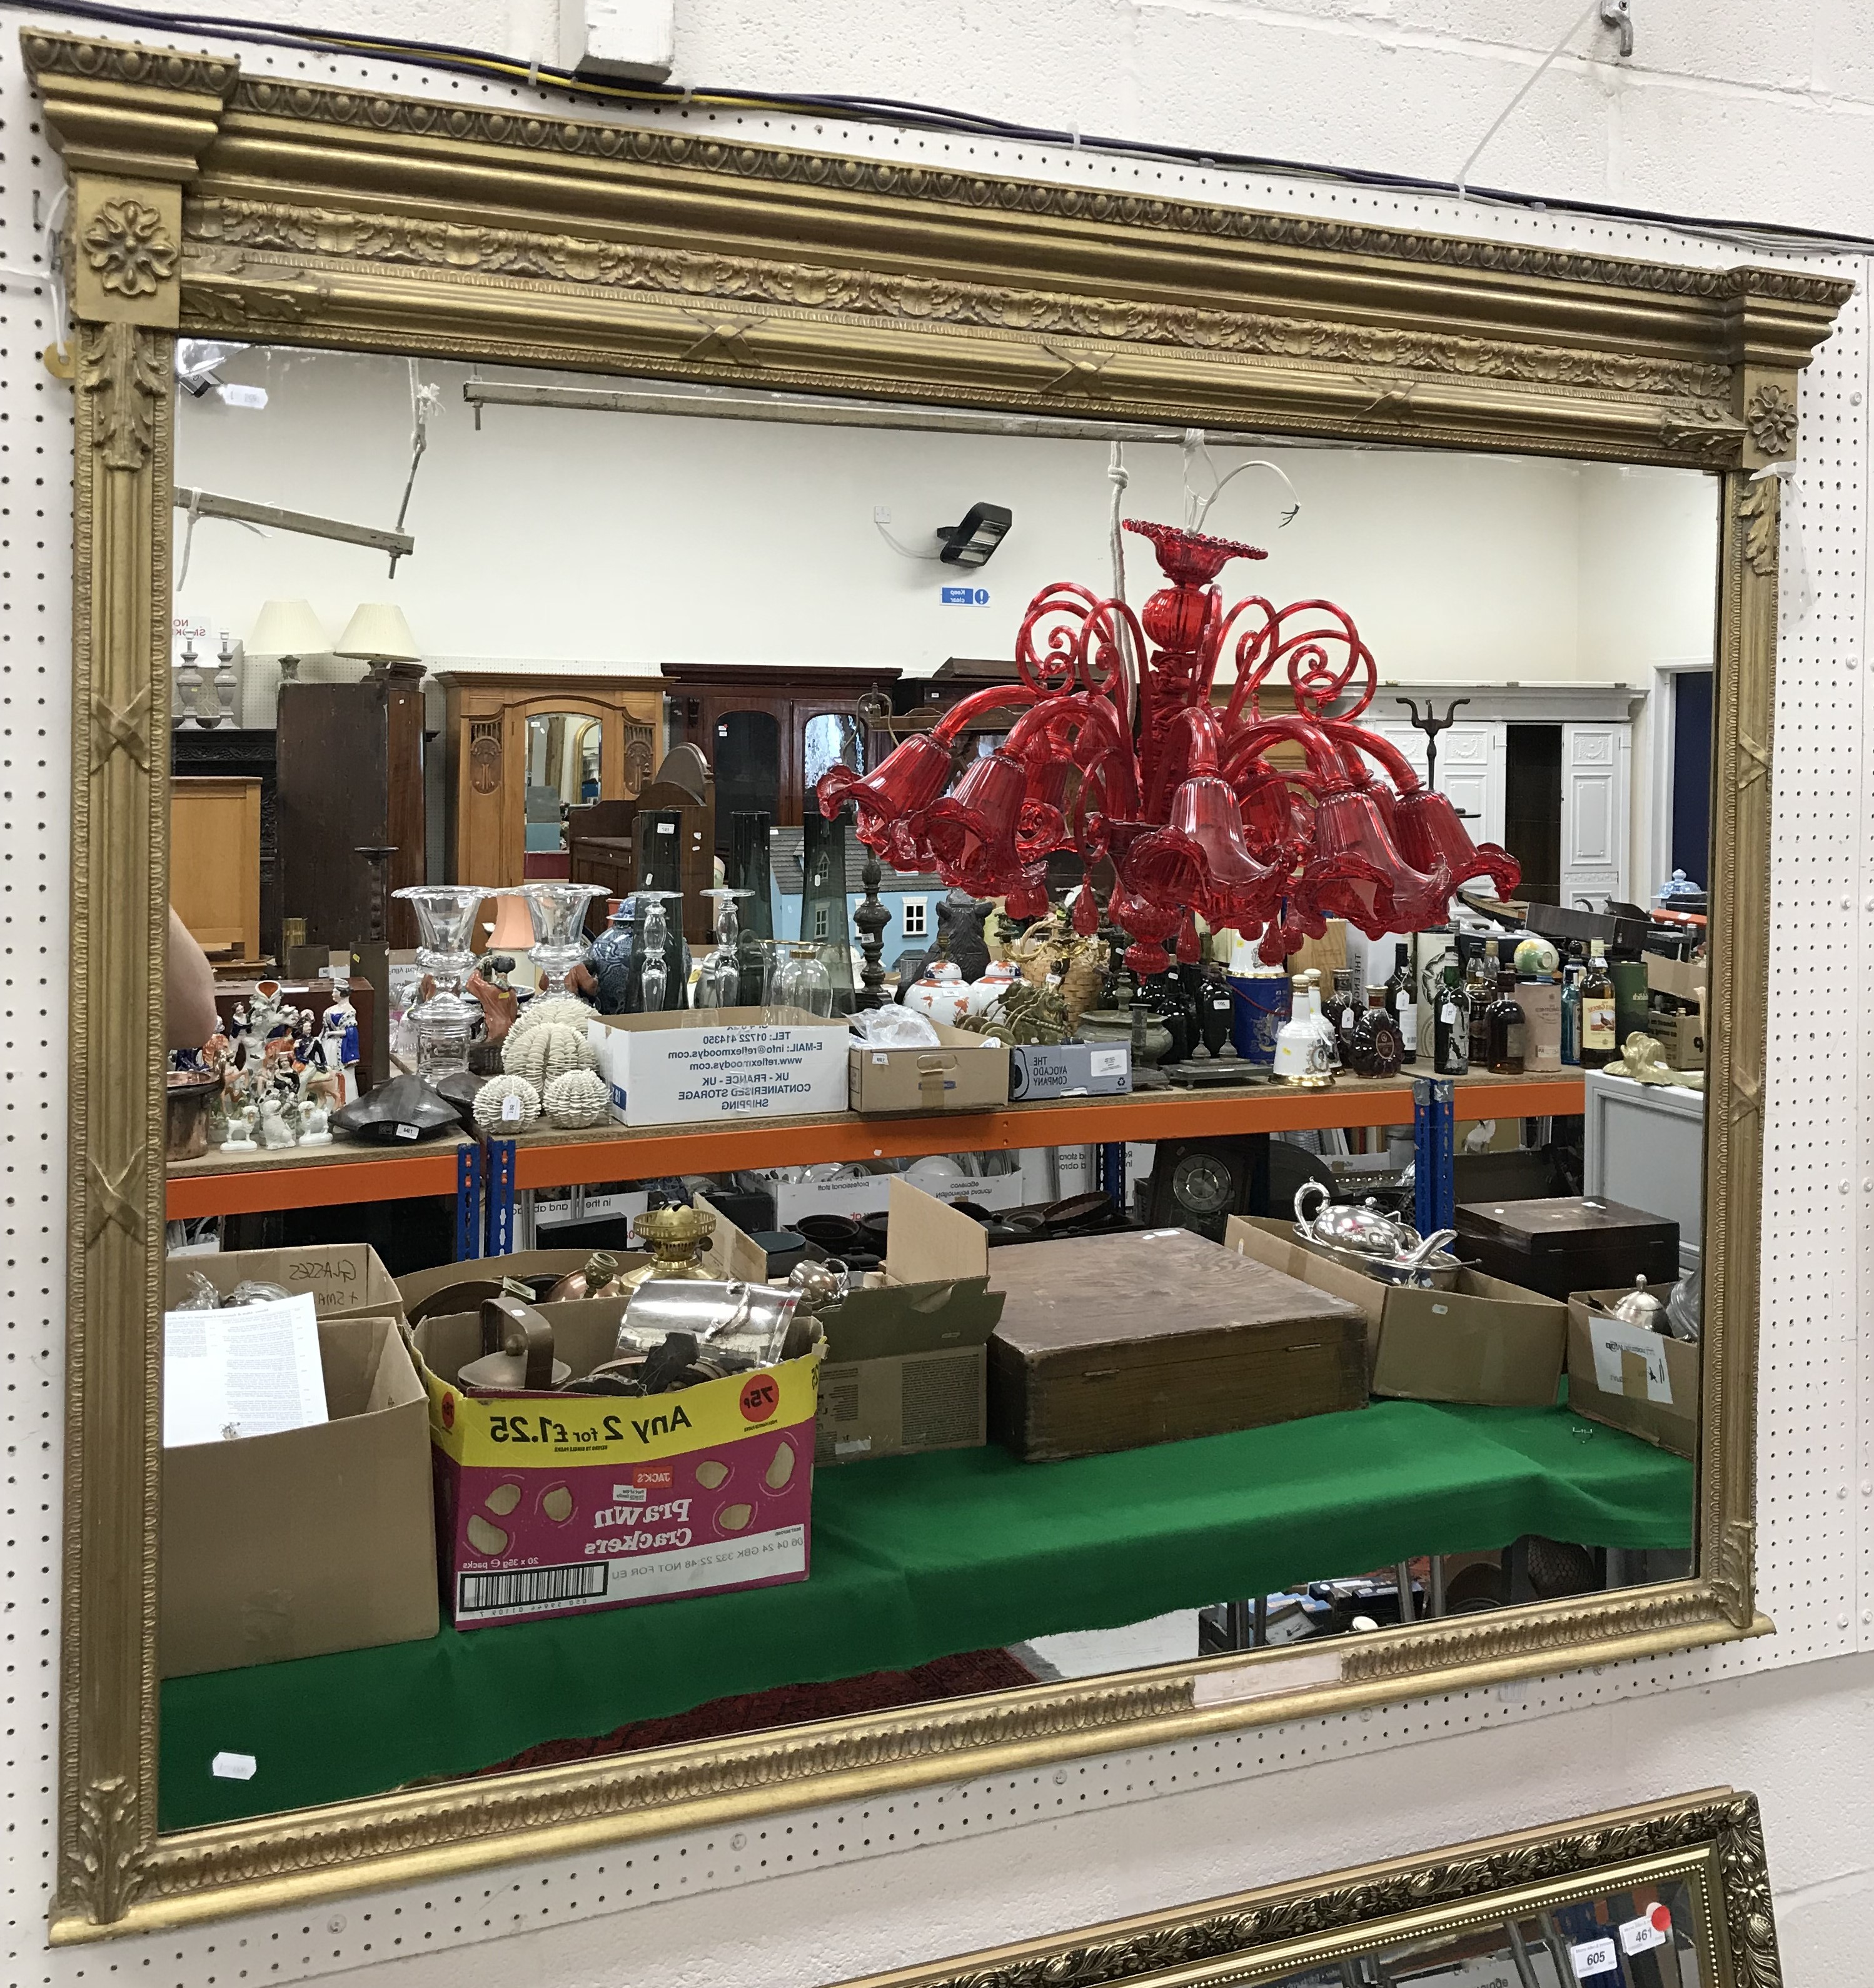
238	510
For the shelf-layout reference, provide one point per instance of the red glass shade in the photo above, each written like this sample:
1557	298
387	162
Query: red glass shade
971	834
1429	830
1356	873
908	781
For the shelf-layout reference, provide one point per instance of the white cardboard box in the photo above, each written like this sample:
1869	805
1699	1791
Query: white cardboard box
689	1066
792	1199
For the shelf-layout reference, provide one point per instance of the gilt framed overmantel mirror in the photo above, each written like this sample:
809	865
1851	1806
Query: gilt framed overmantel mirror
689	408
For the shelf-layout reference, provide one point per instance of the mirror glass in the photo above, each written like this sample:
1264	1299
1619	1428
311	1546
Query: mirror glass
1459	1394
562	773
1645	1935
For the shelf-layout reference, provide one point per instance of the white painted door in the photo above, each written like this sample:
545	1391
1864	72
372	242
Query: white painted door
1595	769
1471	760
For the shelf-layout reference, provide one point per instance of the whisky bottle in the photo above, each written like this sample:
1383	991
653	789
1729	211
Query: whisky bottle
1506	1026
1402	999
1598	1044
1451	1027
1480	984
1338	1009
1375	1048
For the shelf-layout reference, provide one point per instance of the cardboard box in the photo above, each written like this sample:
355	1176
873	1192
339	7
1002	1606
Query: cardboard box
688	1065
1487	1342
1540	1002
1038	1070
556	1504
1681	1038
1684	979
871	1193
968	1073
342	1276
1630	1378
313	1540
906	1366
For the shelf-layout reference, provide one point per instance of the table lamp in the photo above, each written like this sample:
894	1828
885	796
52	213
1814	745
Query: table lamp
513	933
290	631
378	634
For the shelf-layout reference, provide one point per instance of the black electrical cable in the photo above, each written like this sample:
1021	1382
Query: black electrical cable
1770	237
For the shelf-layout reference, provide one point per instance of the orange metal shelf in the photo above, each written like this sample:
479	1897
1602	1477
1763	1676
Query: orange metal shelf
623	1154
254	1190
568	1160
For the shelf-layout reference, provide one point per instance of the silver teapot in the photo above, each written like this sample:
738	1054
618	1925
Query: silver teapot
1367	1240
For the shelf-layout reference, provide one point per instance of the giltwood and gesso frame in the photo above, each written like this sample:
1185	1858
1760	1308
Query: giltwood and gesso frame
206	202
1711	1842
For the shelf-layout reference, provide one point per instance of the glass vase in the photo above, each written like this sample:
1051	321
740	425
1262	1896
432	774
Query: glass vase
558	911
446	1017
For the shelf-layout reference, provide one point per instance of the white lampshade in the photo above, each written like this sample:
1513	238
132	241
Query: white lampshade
378	633
287	628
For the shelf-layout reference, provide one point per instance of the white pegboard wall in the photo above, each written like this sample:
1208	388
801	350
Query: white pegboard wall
1816	1547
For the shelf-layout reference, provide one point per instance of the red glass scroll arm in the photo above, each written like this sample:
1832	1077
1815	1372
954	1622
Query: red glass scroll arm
1317	645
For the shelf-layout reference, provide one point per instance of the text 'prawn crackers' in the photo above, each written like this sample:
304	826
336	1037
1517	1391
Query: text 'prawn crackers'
607	1501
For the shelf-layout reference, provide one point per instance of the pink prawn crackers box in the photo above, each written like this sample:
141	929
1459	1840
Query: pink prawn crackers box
552	1504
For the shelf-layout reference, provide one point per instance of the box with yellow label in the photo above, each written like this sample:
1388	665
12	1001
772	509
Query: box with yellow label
553	1504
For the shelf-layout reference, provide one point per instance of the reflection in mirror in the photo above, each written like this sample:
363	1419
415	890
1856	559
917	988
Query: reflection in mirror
1643	1936
1470	1377
562	773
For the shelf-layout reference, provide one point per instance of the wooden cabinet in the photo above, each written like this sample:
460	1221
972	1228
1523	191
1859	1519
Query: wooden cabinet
215	864
234	752
350	774
523	750
768	733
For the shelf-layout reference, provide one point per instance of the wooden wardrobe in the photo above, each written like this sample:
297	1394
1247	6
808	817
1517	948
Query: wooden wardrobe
486	769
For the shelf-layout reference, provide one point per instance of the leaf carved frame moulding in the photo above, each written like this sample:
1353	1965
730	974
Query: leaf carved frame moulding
1711	1842
204	201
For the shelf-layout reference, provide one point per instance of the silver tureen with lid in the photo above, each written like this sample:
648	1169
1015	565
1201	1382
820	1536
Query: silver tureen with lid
1366	1238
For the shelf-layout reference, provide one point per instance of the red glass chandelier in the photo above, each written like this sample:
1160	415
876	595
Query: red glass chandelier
1110	759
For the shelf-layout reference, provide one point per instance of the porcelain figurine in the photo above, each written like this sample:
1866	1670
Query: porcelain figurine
314	1122
500	1004
275	1130
242	1120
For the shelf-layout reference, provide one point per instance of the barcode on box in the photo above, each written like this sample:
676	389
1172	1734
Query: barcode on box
480	1594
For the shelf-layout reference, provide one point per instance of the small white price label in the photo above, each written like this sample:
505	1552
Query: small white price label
1653	1929
233	1766
407	1132
510	1111
1592	1957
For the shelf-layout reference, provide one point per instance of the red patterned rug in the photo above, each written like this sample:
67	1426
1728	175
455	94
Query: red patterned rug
790	1705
